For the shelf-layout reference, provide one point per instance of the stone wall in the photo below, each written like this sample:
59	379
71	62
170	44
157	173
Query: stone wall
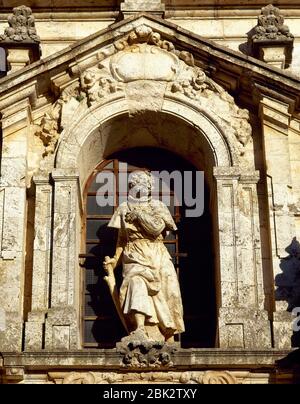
228	27
62	116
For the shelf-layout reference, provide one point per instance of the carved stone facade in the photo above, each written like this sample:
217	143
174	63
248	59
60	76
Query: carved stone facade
146	82
158	377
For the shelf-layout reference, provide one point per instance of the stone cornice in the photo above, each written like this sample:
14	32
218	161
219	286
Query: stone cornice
183	359
113	4
210	56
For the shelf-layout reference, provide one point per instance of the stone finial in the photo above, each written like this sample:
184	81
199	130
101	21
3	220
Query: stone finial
20	40
271	40
271	26
21	26
130	7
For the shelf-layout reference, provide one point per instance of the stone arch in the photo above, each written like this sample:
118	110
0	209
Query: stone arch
98	133
120	104
90	137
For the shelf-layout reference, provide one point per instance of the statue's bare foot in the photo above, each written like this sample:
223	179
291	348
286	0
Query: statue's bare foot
169	336
139	332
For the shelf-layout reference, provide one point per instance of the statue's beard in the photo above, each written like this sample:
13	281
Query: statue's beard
138	196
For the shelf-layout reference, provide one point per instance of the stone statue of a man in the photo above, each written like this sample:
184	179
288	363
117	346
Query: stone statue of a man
149	295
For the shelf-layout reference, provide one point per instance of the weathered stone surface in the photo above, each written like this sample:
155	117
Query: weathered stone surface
146	82
209	377
61	329
271	25
83	367
140	352
21	26
129	7
271	40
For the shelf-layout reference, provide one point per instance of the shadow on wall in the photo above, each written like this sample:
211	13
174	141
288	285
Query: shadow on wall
288	282
246	47
291	363
3	67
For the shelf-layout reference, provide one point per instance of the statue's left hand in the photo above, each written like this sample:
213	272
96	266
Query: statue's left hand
131	216
109	264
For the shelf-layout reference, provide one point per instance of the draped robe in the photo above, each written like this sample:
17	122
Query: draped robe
150	285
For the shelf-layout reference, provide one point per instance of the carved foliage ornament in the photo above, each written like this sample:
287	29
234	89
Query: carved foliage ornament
144	34
137	49
143	55
208	377
97	84
140	352
50	127
271	25
137	57
21	26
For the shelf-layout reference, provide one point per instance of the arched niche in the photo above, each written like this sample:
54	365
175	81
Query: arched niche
191	248
194	133
179	127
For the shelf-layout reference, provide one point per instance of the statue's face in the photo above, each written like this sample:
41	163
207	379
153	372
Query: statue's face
139	185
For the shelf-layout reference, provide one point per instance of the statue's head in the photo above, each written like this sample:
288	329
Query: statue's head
140	184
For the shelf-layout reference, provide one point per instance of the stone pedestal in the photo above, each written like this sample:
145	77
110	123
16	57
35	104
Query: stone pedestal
19	56
17	59
273	52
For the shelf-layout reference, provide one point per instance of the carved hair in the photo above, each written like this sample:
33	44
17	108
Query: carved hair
141	177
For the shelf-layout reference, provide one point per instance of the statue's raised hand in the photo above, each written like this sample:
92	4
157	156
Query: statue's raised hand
131	216
109	264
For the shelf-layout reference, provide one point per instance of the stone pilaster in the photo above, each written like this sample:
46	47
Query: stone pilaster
241	297
41	264
62	324
294	143
13	223
275	119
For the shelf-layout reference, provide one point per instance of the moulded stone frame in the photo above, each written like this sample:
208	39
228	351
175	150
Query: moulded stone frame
240	305
62	324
